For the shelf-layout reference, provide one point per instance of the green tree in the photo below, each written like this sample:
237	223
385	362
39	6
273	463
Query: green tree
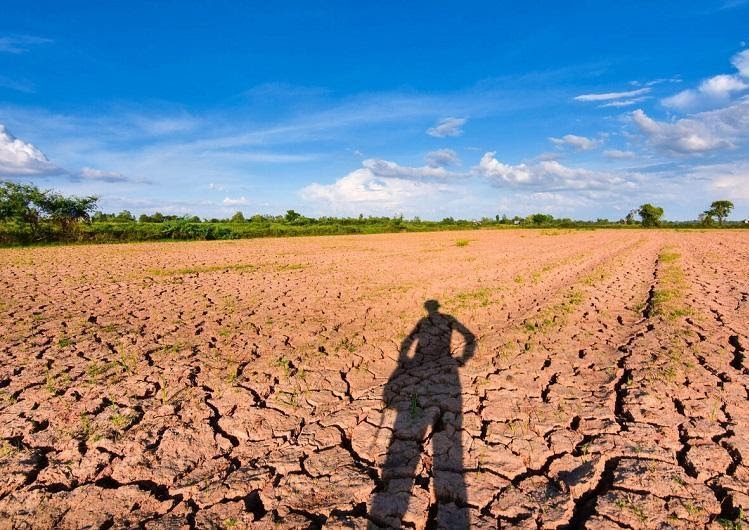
706	217
67	212
630	219
540	218
237	218
21	203
650	215
721	210
292	216
124	217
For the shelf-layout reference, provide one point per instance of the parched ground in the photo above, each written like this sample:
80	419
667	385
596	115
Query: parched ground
579	379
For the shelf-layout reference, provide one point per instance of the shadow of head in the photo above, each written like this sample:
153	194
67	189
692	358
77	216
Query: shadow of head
432	306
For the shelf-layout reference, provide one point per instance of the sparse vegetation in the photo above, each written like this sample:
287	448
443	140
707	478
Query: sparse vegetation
29	215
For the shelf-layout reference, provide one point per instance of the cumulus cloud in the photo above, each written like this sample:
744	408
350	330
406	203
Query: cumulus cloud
88	173
386	168
608	96
741	62
447	127
442	158
550	175
702	132
581	143
617	154
19	158
385	187
364	191
240	201
715	90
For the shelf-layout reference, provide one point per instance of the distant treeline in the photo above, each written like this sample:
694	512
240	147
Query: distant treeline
29	215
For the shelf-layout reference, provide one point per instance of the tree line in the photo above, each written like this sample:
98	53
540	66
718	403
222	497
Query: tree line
31	215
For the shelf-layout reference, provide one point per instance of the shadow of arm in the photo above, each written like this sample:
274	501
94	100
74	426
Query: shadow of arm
407	343
470	342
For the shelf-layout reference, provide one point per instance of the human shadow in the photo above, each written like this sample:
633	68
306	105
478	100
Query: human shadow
425	392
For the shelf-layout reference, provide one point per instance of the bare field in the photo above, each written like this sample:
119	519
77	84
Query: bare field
592	379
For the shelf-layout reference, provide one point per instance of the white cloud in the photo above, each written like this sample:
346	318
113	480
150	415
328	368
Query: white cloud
722	86
624	102
618	154
20	43
18	158
447	127
607	96
386	168
581	143
682	100
241	201
88	173
715	90
19	85
362	191
723	180
442	158
498	172
550	176
741	62
214	186
383	187
702	132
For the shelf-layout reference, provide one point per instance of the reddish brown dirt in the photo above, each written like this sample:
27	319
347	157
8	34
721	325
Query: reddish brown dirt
592	379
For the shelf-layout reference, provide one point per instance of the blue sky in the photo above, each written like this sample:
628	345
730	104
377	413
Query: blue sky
430	109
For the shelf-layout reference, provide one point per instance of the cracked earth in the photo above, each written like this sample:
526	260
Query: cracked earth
579	379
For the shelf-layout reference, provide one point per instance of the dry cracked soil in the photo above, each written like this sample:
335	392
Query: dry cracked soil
526	379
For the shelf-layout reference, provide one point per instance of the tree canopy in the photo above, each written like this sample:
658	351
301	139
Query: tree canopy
650	215
27	205
720	209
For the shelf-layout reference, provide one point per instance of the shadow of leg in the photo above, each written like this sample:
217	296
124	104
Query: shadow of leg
390	506
449	481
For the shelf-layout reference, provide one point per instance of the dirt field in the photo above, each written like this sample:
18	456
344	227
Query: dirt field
591	379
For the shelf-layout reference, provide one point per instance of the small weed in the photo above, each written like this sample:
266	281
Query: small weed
289	267
64	342
119	421
284	364
6	449
94	370
232	374
206	268
636	509
163	393
292	399
87	429
346	344
462	243
50	383
415	408
680	481
729	524
481	296
127	362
